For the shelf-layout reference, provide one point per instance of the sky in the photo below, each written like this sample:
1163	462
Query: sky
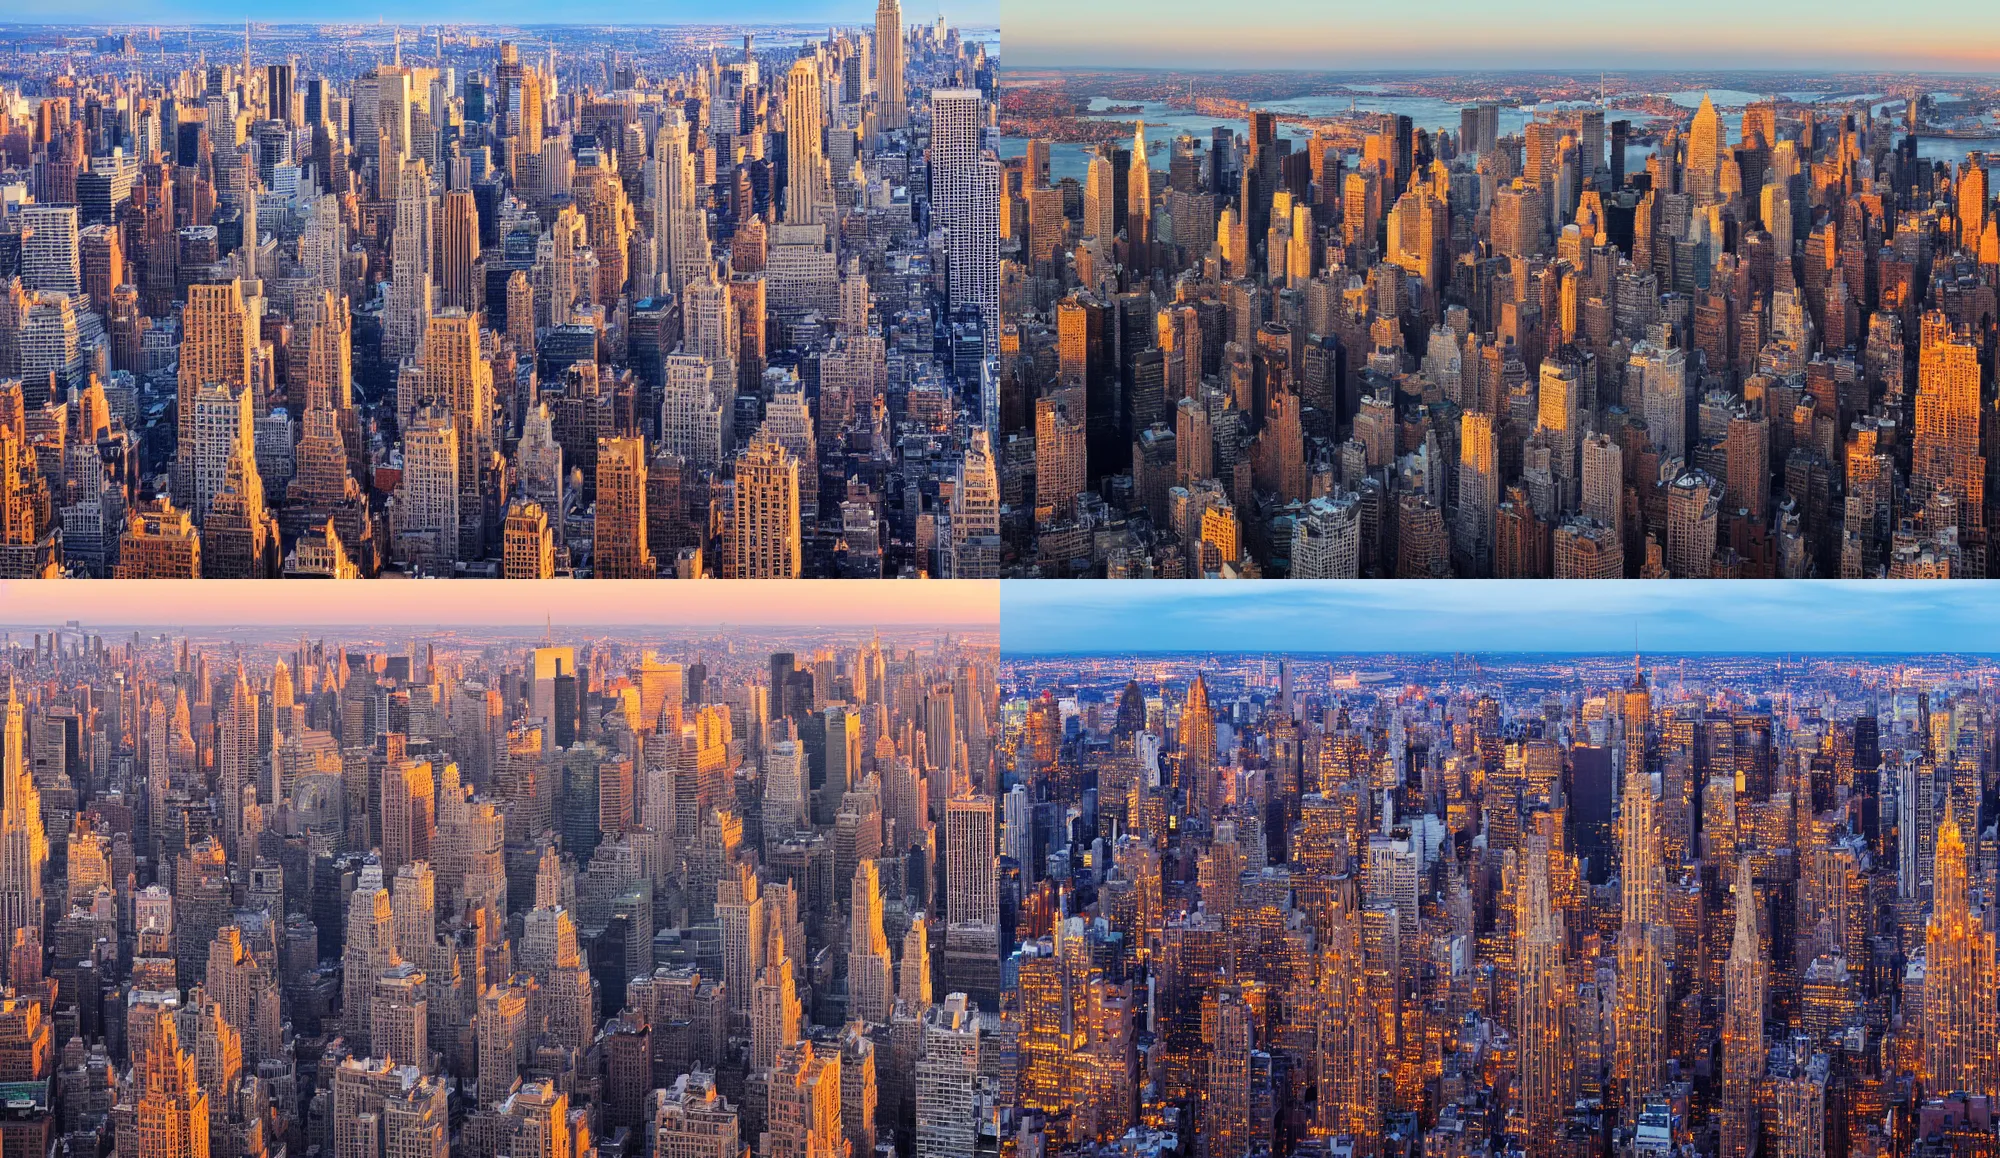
1714	616
820	13
968	604
1942	35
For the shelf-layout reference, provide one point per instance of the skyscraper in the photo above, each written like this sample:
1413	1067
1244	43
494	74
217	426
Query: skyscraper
970	880
892	112
1743	1022
172	1108
1946	456
946	1069
410	286
50	258
965	196
24	847
215	352
808	189
764	530
619	541
1961	1046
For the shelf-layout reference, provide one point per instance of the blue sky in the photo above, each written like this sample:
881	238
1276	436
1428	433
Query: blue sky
1535	615
1954	35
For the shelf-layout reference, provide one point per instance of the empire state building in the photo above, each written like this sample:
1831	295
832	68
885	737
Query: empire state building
24	847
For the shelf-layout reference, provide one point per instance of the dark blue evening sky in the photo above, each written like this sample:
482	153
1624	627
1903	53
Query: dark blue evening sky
1363	616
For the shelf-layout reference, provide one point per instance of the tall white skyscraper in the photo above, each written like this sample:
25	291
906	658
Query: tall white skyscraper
965	202
972	893
410	273
680	224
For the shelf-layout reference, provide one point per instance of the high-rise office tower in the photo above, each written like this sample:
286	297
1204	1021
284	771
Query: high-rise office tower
370	948
808	186
1139	192
456	375
160	542
785	784
1694	501
329	369
458	248
1704	152
1662	375
1743	1022
1641	874
24	846
775	1014
1197	746
619	544
1478	492
965	199
892	109
764	528
946	1072
221	429
1644	992
400	1020
913	969
1228	1122
1603	483
680	233
172	1111
411	254
1946	454
1961	1047
870	986
529	547
1347	1047
50	259
970	879
503	1037
974	545
1326	539
1061	465
426	516
216	350
1542	1006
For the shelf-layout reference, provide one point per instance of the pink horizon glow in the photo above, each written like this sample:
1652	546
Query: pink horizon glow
652	603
